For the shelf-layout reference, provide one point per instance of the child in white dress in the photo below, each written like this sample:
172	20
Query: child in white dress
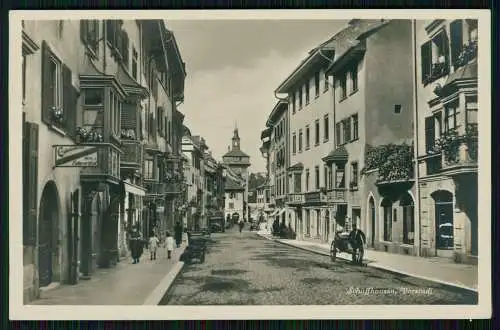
169	244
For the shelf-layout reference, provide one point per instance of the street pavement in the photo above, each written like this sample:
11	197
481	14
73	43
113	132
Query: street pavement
125	284
246	269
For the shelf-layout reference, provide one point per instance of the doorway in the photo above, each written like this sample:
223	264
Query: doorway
96	231
48	250
371	207
443	216
341	215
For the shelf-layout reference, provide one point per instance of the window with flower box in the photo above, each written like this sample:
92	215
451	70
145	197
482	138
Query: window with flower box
471	111
435	58
463	41
92	129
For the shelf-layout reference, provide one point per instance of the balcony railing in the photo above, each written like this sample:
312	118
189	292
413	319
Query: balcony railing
108	162
294	198
336	195
132	154
459	150
315	197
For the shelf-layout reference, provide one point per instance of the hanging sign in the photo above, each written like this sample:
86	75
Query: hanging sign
75	156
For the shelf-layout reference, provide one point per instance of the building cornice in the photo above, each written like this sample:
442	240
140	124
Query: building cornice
29	45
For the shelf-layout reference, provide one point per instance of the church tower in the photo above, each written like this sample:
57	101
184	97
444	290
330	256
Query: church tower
236	139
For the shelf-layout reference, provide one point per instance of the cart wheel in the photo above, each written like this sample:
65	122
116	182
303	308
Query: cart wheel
333	252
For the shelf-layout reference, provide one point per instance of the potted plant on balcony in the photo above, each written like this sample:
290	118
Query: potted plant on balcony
128	134
57	115
88	135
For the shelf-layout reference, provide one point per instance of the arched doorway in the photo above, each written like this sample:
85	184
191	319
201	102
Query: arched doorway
48	231
443	219
407	204
327	225
96	230
387	214
371	209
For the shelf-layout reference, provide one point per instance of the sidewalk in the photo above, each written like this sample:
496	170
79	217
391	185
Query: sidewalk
124	284
438	270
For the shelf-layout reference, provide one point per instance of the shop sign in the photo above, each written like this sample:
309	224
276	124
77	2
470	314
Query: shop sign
75	156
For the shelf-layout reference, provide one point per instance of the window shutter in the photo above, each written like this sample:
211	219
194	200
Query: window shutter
429	133
30	184
426	58
456	36
46	90
84	24
125	48
70	100
446	46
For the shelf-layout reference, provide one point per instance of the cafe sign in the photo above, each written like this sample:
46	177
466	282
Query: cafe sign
75	156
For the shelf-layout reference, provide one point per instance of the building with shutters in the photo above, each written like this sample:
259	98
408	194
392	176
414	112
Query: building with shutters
446	84
237	163
101	142
372	159
278	153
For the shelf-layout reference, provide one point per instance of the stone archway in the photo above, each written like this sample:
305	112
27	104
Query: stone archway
48	232
407	203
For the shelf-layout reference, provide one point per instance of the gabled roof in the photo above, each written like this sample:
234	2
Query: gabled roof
349	38
280	107
339	154
235	153
468	71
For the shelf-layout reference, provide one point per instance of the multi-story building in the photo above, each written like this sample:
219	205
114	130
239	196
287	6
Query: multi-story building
446	85
266	189
237	162
310	132
193	150
92	110
278	154
234	196
214	198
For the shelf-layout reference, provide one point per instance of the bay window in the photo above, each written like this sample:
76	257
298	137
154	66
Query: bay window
450	116
340	176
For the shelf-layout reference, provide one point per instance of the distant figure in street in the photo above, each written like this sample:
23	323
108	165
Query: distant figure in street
169	244
357	239
185	238
153	246
135	244
241	224
178	234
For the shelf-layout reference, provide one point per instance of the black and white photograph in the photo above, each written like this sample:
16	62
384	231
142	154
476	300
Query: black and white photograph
275	164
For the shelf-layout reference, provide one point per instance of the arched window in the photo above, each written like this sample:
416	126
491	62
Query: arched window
407	204
387	210
371	208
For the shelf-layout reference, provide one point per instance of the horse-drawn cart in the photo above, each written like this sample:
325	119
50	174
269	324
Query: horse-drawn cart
197	246
342	243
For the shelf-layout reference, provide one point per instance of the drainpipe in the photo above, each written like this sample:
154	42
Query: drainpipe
416	142
334	223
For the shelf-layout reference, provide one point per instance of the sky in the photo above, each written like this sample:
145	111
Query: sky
233	68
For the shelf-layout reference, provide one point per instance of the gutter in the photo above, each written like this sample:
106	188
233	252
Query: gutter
415	139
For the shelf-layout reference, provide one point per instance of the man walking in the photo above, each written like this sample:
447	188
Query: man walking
178	234
357	239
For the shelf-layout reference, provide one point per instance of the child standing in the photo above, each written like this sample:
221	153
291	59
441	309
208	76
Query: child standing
153	246
169	243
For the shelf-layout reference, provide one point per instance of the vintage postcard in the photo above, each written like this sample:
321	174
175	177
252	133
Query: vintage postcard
250	164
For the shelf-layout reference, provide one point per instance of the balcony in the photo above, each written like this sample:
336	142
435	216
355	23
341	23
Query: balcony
152	147
108	164
132	155
294	199
173	188
315	197
337	195
459	152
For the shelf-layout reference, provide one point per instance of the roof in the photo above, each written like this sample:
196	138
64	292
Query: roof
235	153
297	166
280	108
349	37
232	185
468	71
338	154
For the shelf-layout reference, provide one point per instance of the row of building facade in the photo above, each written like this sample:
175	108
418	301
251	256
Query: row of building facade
378	126
105	148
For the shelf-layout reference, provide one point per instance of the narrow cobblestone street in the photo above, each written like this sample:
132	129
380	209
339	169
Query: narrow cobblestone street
246	269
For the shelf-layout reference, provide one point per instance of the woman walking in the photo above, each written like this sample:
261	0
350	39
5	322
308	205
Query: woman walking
135	244
169	244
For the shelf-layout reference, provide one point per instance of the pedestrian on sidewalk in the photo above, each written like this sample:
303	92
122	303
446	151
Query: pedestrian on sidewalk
185	238
135	244
241	224
178	234
357	239
153	246
169	244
